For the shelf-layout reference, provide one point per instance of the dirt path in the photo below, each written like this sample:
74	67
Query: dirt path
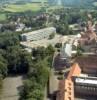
12	85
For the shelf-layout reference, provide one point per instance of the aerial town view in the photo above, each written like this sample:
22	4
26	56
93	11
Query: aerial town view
48	49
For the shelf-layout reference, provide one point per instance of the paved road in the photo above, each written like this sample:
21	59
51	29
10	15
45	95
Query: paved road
12	85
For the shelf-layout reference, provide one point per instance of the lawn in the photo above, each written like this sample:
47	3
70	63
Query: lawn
23	8
2	17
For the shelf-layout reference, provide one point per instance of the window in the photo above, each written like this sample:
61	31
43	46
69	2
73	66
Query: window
69	88
69	98
69	84
69	93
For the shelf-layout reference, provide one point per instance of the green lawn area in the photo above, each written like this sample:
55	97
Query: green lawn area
54	7
23	8
2	17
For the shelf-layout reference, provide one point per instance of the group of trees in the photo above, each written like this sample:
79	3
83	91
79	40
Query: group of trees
34	20
8	27
18	60
38	74
13	59
3	67
68	17
8	39
28	18
41	20
36	81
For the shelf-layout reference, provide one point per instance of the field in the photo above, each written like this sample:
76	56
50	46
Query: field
23	7
2	17
14	8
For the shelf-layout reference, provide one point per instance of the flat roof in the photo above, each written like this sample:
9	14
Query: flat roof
38	31
86	81
43	42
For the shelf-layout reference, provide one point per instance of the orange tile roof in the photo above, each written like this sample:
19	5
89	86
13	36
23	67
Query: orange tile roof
66	87
75	71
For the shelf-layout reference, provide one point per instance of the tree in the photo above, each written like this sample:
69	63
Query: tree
50	50
18	60
8	39
36	81
3	67
39	53
79	51
58	45
38	75
52	36
32	91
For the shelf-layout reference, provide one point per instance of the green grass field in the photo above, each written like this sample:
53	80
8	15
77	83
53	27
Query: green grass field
2	17
15	8
23	8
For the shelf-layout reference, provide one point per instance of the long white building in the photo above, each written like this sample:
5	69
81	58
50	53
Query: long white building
38	35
